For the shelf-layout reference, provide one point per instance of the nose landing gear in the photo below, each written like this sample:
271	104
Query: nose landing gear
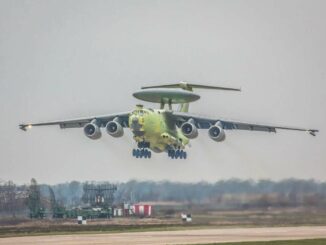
175	154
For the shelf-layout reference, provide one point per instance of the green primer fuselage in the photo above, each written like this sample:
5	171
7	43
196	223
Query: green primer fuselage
158	127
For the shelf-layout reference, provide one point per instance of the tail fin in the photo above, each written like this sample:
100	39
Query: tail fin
191	86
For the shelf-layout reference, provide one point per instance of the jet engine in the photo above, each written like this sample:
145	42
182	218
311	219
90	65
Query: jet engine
114	129
216	132
189	130
92	131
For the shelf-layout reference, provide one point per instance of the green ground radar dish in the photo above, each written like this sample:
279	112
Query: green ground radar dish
166	96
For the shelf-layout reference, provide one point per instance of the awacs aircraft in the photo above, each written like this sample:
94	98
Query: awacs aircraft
164	129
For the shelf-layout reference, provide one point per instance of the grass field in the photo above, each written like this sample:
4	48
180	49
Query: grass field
89	229
201	219
273	217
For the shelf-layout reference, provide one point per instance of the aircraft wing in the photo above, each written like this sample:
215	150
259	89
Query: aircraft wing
205	123
80	122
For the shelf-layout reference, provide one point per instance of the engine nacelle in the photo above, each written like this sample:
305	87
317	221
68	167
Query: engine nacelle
114	129
216	132
189	130
92	131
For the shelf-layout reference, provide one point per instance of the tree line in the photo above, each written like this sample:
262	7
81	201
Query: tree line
34	198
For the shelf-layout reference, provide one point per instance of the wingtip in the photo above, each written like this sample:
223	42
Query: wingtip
22	127
313	132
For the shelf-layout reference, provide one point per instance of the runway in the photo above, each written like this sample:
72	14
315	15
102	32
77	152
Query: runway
178	237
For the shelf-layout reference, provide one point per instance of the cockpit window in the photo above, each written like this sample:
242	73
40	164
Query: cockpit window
140	112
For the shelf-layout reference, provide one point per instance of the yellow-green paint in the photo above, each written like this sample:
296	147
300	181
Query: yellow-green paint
156	127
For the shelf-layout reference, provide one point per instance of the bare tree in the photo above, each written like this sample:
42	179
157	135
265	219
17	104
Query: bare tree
34	200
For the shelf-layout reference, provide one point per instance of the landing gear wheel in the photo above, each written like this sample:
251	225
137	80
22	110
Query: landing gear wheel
142	153
177	154
147	154
137	153
172	154
181	154
184	155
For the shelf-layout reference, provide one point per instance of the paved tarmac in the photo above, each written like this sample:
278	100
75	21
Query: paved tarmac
178	237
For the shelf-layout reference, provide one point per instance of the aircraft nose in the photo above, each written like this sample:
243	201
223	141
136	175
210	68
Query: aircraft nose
136	126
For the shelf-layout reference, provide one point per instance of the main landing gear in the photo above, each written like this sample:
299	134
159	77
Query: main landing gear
142	152
175	154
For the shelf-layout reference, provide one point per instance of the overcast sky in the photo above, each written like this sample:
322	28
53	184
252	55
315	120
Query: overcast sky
66	59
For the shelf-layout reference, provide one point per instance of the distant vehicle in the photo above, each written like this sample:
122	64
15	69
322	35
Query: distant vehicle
164	129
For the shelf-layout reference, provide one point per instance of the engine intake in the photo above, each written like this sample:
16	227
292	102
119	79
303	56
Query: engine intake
216	132
92	131
189	130
114	129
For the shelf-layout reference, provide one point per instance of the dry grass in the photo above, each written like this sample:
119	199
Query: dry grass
249	218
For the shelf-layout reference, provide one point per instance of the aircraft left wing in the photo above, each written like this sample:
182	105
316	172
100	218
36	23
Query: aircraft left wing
205	123
80	122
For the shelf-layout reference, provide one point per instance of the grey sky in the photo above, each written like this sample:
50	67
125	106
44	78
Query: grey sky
66	59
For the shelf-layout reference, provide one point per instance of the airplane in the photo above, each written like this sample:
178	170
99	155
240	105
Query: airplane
163	129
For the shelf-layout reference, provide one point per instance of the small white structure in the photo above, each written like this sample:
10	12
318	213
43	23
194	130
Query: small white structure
81	220
117	212
186	217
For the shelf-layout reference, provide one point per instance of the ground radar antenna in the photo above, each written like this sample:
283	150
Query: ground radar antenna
99	195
